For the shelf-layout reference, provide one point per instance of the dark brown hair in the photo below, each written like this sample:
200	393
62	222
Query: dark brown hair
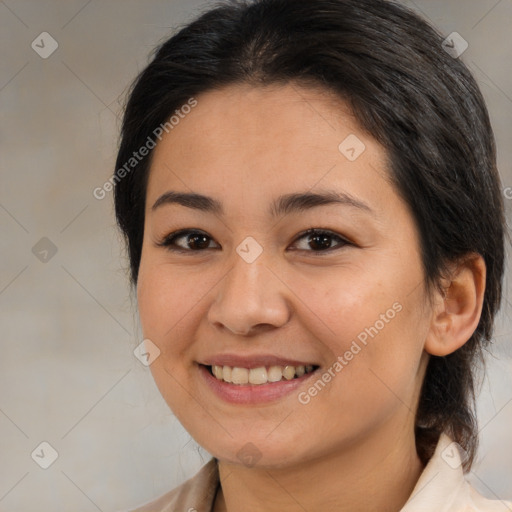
406	91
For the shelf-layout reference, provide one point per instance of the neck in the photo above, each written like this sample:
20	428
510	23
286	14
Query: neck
378	475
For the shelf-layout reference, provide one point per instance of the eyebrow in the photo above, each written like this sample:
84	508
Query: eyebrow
283	205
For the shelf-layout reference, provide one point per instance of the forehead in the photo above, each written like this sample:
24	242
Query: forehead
254	141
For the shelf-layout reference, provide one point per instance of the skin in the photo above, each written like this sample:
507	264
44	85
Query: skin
352	446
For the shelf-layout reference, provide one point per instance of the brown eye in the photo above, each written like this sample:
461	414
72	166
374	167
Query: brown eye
321	241
186	241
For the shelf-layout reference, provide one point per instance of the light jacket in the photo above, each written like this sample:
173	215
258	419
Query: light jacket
440	488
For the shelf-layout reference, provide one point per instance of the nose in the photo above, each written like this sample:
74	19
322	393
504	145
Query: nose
250	299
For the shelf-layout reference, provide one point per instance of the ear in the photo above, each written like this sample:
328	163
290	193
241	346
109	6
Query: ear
457	311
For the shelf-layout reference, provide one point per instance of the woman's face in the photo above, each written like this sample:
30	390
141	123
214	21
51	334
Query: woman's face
249	290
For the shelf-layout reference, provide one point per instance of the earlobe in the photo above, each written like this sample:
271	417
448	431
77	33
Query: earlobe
457	311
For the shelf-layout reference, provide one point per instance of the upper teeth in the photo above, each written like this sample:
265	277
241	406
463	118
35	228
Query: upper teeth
261	375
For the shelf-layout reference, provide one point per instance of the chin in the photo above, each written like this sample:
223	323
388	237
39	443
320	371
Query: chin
257	451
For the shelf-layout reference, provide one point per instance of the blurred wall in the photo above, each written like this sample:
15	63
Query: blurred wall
68	376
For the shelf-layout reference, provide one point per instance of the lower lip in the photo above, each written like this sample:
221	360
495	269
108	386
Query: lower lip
252	393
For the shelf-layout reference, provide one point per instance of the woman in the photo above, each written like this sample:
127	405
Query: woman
309	196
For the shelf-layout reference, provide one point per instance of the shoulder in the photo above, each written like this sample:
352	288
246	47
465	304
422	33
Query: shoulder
478	503
442	487
194	495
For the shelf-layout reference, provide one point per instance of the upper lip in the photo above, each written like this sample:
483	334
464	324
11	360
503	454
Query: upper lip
254	361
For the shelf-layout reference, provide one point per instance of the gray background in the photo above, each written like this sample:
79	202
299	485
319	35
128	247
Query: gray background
68	375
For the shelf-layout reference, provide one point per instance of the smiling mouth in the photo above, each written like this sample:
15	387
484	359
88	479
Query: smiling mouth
261	375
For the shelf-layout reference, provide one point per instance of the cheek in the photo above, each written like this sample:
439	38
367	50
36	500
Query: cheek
169	302
345	305
375	333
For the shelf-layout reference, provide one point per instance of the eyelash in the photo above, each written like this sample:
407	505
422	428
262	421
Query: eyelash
169	241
